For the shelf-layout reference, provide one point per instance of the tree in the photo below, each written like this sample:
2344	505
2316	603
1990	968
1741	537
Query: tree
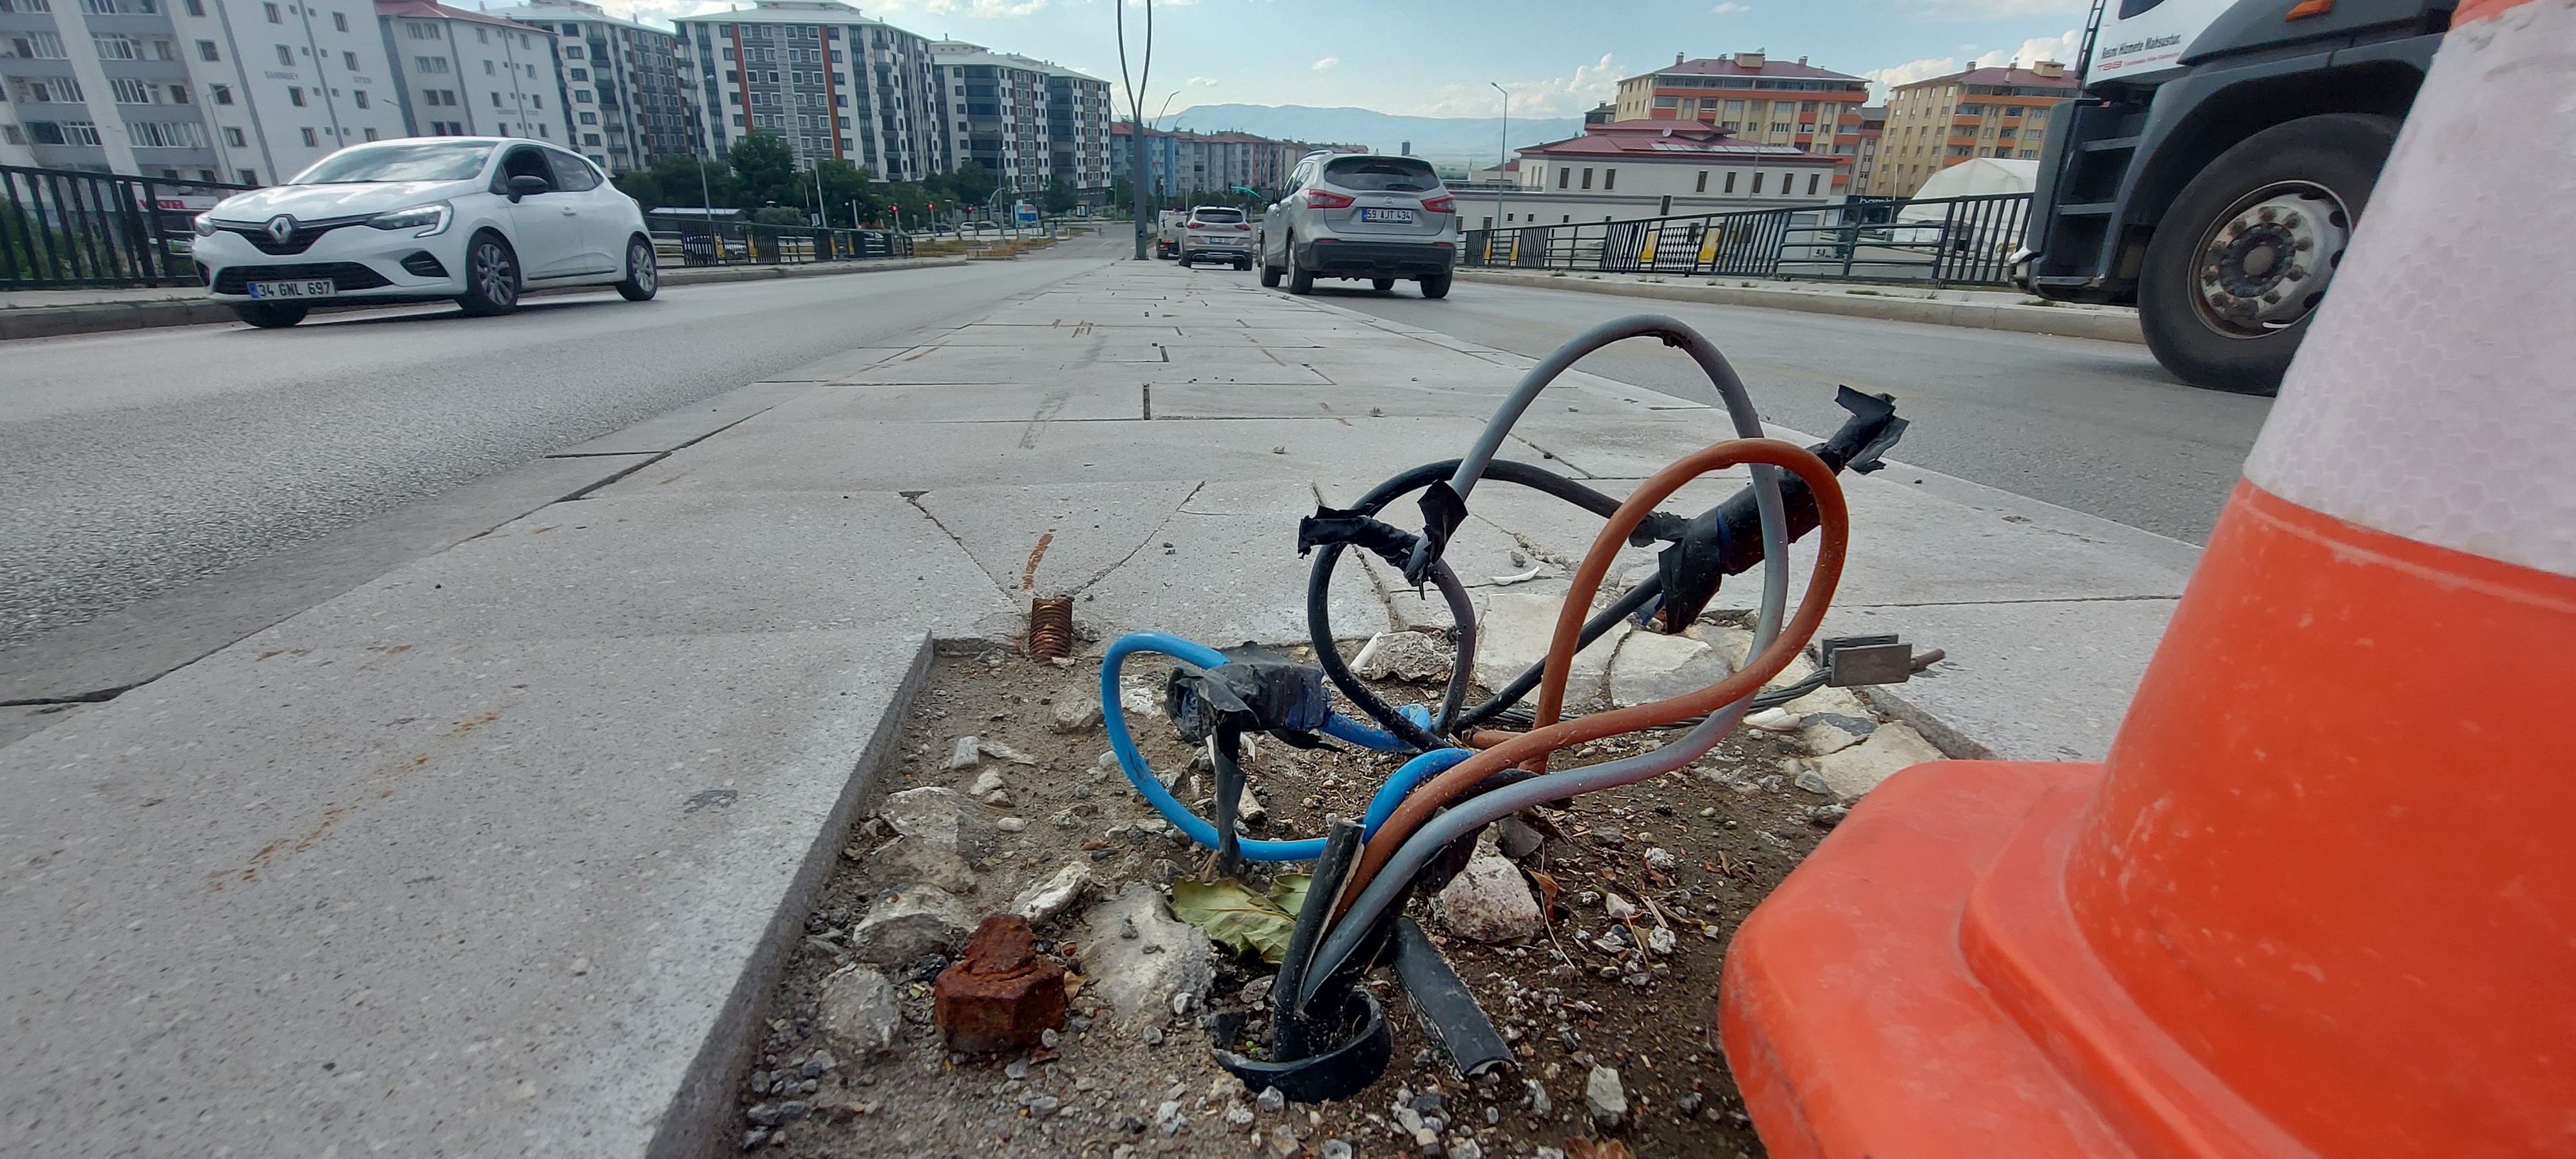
844	183
1122	196
767	169
972	183
676	181
1057	197
779	215
908	200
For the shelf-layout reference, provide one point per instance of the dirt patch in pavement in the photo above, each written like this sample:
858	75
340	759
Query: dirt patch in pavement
1704	845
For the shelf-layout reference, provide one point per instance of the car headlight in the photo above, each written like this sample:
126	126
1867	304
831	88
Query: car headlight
206	224
428	219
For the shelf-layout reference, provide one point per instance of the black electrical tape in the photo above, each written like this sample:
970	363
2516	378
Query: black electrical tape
1443	510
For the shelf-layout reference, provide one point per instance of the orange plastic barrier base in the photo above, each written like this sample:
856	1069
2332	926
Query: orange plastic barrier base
1851	1020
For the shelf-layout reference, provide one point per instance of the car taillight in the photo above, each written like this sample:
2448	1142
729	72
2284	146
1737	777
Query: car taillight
1243	226
1198	225
1320	199
1441	204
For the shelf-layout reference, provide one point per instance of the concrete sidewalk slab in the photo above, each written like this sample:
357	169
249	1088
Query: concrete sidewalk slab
1058	539
487	899
985	402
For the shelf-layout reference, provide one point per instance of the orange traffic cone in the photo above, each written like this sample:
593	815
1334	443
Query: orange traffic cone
2320	900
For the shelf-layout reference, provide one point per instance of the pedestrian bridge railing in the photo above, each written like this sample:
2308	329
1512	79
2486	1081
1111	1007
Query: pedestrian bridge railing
1955	241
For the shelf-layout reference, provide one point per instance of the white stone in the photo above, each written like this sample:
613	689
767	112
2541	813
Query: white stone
1660	942
1858	769
1076	711
986	784
938	840
1140	985
859	1013
1043	901
1489	902
1661	860
1002	752
1011	824
1813	782
1617	908
910	923
1832	732
1651	667
1775	720
964	755
1515	633
1248	808
1605	1098
1416	657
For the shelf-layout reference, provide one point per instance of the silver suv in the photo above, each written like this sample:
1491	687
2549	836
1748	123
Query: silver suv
1217	233
1361	215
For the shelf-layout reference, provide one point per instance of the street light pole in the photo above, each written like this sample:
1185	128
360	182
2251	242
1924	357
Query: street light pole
1502	167
1140	167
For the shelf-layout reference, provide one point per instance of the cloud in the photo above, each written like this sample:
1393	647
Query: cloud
1562	96
1326	63
2060	48
1730	8
1884	79
1984	9
1204	82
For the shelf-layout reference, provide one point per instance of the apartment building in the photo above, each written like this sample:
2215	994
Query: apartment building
1983	112
1759	100
1191	162
469	74
1624	170
222	90
1873	125
830	82
621	84
1025	121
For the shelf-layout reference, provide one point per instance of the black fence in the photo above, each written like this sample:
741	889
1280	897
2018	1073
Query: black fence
61	229
1956	241
697	241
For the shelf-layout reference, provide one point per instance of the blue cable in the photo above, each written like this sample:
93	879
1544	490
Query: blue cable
1113	718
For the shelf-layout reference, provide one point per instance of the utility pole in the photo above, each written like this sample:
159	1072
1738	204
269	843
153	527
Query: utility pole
1502	167
1140	166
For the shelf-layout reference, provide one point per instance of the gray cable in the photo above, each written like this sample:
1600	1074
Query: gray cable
1462	612
1396	877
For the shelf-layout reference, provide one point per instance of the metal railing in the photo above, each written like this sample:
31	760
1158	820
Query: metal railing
60	228
696	241
1955	241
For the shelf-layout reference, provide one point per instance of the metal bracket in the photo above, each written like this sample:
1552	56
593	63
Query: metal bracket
1853	660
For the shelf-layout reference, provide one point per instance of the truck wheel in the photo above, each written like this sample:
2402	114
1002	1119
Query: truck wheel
2244	256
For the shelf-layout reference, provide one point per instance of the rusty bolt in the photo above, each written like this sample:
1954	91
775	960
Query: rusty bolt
1000	994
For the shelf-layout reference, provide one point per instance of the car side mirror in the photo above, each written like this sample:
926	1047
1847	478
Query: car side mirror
525	185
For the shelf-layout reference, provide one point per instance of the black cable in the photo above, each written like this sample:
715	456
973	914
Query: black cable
1319	625
1601	621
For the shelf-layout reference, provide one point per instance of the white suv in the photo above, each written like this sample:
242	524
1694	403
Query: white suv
1217	233
1362	215
477	219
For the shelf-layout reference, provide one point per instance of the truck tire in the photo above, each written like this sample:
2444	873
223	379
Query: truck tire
2245	254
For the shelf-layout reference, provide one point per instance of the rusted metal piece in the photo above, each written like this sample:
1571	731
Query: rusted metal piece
1000	995
1051	627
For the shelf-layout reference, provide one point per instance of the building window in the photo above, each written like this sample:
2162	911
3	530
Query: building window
206	51
116	48
1757	184
371	134
309	140
220	94
1587	179
340	21
295	96
1703	182
1812	178
286	56
1609	179
130	91
274	16
250	176
360	96
234	138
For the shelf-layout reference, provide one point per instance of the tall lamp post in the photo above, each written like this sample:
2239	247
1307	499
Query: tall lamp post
1140	168
1502	166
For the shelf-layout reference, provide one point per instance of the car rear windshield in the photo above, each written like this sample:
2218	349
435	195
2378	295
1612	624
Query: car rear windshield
1219	215
1382	174
399	161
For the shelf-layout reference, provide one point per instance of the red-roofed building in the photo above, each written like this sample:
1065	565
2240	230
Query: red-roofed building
1983	112
1635	169
1768	101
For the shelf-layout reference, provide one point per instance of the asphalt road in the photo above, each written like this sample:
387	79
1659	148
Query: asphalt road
133	464
2095	426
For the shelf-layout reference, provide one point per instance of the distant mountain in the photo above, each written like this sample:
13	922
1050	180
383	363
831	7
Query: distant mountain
1446	141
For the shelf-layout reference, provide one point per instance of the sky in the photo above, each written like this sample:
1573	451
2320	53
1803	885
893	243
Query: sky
1441	57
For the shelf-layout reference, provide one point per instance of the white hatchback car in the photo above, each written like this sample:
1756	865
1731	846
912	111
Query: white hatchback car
476	219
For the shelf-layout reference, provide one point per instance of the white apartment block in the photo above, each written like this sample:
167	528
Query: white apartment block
223	90
466	74
621	84
1025	121
816	74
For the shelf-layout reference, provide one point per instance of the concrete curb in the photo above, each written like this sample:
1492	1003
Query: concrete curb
2065	323
58	321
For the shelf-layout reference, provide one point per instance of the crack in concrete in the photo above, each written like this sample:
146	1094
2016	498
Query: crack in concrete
1166	521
